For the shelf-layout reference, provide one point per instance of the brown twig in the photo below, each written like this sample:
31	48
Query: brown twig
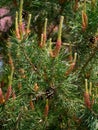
18	120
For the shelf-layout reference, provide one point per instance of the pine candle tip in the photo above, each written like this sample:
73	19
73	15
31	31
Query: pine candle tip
30	15
50	41
45	25
86	85
28	24
46	19
75	57
60	28
17	26
16	14
84	5
46	22
93	96
47	101
16	18
42	37
50	45
90	89
20	12
93	3
62	18
41	42
0	91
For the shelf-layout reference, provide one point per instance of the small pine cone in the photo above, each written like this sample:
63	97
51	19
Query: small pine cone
87	100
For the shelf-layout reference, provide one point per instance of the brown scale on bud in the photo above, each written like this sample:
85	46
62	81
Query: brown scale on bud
19	85
72	65
57	48
23	76
41	43
44	35
22	30
75	8
87	96
8	93
36	87
10	60
70	53
17	27
84	21
46	110
28	24
2	100
87	100
21	71
31	104
17	34
56	51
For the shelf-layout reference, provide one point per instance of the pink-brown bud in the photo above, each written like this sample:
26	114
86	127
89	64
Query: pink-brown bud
8	93
46	111
1	97
87	100
70	68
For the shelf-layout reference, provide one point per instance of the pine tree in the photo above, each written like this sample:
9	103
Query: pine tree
47	83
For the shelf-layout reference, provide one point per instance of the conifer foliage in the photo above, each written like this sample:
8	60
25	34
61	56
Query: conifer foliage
50	76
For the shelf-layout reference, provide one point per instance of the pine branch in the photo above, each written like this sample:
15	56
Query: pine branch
29	60
89	59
